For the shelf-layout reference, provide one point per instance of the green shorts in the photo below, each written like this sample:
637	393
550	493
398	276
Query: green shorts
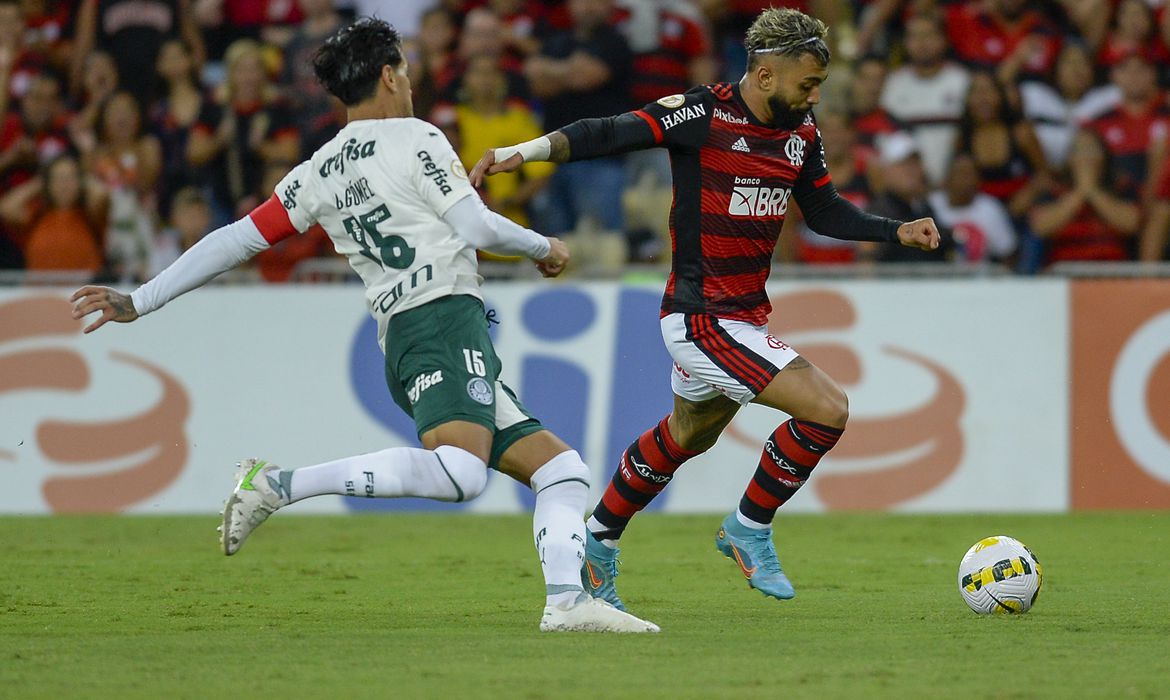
441	367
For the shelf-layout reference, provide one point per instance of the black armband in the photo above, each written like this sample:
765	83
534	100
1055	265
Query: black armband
830	214
607	136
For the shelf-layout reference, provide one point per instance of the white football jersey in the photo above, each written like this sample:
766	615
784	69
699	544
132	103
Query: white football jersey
380	189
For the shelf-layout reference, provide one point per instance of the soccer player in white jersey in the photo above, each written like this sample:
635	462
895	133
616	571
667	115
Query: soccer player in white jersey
393	197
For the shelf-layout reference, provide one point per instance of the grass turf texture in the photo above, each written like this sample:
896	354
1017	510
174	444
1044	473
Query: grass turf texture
448	606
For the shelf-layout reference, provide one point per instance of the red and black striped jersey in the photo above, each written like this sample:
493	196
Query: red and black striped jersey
733	178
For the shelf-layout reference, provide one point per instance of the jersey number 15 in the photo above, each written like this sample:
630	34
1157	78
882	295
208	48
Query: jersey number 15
388	251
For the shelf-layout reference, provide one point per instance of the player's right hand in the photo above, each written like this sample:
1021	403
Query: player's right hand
114	306
554	263
488	166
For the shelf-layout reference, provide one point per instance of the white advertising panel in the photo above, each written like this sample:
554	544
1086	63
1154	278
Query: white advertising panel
958	393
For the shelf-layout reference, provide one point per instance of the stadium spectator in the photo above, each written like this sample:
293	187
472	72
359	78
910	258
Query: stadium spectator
580	73
127	161
133	31
188	222
431	59
246	128
1010	37
870	119
99	82
671	48
404	15
313	107
979	223
1058	110
1155	240
1004	146
62	213
903	198
1085	216
1134	31
35	134
926	95
19	63
483	35
848	165
1135	133
174	115
523	22
484	118
223	22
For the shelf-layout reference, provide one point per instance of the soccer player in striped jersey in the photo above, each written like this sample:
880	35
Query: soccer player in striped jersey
395	200
739	153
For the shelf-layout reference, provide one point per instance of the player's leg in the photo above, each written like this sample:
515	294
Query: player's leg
819	410
440	370
560	481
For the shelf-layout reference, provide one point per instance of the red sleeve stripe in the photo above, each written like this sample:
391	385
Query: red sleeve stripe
822	181
653	125
272	220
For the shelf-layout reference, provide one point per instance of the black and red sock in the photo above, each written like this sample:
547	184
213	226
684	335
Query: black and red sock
789	456
646	467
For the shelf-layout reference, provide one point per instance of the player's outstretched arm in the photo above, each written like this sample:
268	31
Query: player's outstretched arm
218	252
553	148
113	305
472	221
920	233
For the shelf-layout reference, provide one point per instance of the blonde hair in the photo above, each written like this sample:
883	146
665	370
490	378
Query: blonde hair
787	32
237	51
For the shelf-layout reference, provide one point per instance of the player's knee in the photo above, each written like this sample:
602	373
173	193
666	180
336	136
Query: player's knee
835	408
565	468
468	473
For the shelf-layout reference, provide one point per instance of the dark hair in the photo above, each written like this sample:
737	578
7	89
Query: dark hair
349	63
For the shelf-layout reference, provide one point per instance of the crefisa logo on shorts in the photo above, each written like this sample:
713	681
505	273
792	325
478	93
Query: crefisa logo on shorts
480	391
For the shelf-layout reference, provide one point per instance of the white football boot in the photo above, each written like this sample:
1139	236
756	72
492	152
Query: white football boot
592	615
257	495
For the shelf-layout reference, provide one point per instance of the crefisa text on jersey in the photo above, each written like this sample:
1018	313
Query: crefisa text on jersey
682	114
356	192
434	172
350	151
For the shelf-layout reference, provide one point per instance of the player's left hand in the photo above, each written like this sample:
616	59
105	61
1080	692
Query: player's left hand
114	306
920	233
488	166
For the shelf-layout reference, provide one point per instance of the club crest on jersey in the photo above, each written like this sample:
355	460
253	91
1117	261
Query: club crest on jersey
672	101
480	391
350	151
758	201
672	119
794	149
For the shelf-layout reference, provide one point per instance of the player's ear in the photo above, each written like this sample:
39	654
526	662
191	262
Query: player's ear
388	78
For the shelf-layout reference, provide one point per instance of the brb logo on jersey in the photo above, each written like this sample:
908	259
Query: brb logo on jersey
757	201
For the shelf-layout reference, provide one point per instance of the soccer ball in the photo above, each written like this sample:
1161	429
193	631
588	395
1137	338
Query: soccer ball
999	575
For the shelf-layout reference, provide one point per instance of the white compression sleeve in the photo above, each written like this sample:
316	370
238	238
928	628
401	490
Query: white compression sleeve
445	473
218	252
558	525
483	228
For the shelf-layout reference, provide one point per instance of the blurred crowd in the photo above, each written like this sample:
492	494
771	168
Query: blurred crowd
1035	132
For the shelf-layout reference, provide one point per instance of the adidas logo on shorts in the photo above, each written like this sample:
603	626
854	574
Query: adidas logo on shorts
741	145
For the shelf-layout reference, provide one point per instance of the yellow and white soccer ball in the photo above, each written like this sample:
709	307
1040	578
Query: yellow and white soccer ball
999	575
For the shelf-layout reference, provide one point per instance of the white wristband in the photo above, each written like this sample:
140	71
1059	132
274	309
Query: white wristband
534	150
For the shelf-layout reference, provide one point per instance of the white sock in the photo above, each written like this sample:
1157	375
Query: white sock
595	526
748	522
562	487
444	474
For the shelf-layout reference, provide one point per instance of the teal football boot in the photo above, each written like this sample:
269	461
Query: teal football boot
752	550
599	570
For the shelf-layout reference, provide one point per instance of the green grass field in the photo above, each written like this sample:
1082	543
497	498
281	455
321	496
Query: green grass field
447	607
